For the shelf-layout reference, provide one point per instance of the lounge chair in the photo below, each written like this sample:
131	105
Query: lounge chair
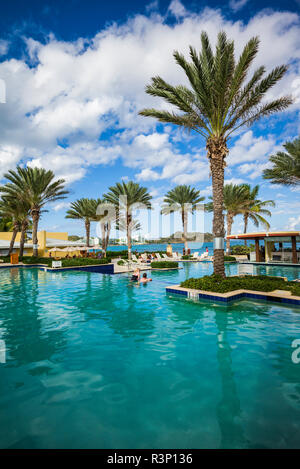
203	256
158	256
167	258
195	256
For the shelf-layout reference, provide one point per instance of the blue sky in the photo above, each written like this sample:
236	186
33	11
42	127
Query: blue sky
75	74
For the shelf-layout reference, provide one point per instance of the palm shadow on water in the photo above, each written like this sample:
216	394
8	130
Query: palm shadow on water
23	317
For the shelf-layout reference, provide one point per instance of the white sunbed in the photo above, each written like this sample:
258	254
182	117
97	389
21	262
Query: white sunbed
195	256
203	256
166	258
158	256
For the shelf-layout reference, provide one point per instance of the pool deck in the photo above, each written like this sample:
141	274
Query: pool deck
278	296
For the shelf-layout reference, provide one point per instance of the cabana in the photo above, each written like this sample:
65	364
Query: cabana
274	246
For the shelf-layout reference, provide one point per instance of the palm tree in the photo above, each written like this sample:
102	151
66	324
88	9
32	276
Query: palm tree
126	197
184	199
255	208
286	165
18	212
105	214
218	102
235	199
36	187
84	209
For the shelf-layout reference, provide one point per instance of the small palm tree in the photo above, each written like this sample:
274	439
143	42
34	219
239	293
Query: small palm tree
217	103
18	212
35	187
235	199
286	165
126	197
255	209
184	199
84	209
105	215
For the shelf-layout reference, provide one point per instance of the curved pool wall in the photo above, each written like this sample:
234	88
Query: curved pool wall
94	361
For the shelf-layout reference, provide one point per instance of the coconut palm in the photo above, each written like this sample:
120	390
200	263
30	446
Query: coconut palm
84	209
286	165
217	103
184	199
235	200
36	187
255	209
126	197
18	212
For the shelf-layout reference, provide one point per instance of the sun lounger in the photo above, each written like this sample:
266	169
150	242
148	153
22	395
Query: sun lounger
195	256
158	256
167	258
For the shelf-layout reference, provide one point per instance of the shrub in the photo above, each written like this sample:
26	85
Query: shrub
65	262
121	262
216	283
164	264
229	259
186	257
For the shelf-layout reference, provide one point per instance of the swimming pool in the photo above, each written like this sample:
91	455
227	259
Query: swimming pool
93	361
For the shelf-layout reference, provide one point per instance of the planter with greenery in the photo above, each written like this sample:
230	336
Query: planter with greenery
240	250
164	265
229	259
65	262
262	283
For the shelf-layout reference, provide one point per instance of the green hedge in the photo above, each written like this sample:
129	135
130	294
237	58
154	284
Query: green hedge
65	262
216	283
229	259
164	264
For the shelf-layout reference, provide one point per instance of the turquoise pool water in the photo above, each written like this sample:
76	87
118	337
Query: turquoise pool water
95	362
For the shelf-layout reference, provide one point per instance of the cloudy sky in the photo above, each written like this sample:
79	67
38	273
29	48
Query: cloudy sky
75	74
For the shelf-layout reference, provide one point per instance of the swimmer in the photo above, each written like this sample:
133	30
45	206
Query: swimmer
144	279
136	275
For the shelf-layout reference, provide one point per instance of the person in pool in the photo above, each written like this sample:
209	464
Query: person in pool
144	279
136	275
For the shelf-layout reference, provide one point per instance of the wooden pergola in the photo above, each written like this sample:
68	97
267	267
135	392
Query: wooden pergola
270	238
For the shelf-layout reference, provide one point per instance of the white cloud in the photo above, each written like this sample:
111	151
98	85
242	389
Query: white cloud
76	91
4	45
147	174
177	9
61	206
236	5
293	223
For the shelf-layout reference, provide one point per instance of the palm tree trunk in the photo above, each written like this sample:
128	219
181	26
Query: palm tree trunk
35	221
13	238
217	172
128	220
245	226
229	226
87	232
184	227
24	227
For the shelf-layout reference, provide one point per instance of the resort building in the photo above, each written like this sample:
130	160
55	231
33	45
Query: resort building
273	246
46	241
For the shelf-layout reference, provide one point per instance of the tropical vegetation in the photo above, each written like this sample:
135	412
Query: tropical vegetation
34	187
218	102
286	165
184	199
127	197
164	265
85	210
218	284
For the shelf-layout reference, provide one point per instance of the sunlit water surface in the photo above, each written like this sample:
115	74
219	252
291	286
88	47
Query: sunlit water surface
93	361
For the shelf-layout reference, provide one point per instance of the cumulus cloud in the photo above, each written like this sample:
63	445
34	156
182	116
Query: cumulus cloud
62	97
293	223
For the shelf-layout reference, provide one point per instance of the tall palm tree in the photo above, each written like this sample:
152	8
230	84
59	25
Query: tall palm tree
18	211
235	199
84	209
217	103
255	209
36	187
286	165
185	200
126	197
